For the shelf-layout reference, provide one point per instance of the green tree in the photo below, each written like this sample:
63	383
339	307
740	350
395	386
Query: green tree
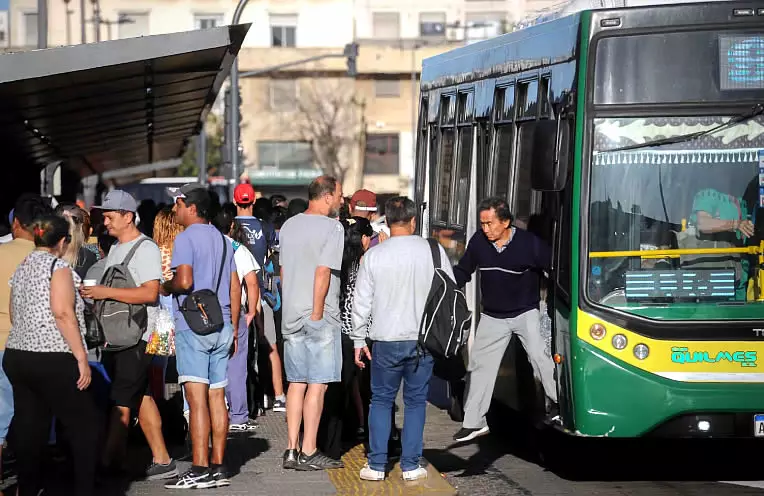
214	129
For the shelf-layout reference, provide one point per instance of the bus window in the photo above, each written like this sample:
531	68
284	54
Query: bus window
546	105
464	159
460	205
508	105
504	158
527	99
524	204
446	165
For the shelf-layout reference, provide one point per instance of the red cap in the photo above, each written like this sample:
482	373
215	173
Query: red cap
244	194
365	200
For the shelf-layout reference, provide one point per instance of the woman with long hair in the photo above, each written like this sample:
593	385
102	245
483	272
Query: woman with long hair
166	228
77	255
164	231
46	359
358	235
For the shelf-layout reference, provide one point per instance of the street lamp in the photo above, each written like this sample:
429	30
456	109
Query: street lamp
235	97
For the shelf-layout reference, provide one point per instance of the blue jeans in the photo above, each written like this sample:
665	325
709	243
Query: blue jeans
392	362
6	402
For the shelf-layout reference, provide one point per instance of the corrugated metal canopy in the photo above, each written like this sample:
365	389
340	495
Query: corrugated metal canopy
114	104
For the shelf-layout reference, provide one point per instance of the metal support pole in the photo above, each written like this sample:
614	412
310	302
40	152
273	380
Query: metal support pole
97	20
42	23
201	156
83	32
68	23
235	104
414	105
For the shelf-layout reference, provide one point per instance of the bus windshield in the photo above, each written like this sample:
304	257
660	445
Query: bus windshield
676	224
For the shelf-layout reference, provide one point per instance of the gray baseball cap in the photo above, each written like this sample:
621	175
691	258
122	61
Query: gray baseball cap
119	200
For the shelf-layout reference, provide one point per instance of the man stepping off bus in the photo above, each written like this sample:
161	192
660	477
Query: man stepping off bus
510	261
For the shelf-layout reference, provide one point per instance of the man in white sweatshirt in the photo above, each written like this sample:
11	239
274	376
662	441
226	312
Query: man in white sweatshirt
392	285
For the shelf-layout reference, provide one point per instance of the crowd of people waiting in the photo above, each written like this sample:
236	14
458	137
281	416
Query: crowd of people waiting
296	283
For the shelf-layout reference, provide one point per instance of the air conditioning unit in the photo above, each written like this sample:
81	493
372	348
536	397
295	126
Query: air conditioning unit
433	28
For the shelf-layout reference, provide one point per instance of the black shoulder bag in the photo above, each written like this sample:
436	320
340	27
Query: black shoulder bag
202	309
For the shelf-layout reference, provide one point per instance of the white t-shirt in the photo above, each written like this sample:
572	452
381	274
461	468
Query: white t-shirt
245	263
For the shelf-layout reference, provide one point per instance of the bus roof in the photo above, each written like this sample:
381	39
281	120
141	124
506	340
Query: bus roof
555	40
572	6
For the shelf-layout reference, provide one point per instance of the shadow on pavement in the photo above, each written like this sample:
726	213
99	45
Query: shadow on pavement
602	459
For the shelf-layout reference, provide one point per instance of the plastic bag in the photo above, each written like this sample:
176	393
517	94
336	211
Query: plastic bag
162	339
545	328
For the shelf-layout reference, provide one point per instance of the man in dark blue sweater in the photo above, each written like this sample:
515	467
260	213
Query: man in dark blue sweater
511	262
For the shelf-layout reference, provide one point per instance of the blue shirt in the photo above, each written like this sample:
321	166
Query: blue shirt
201	247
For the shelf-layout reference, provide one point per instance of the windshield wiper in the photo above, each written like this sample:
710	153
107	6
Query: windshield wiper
757	110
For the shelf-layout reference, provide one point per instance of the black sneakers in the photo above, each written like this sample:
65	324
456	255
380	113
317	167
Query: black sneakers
219	476
158	471
195	478
317	461
202	478
290	459
466	434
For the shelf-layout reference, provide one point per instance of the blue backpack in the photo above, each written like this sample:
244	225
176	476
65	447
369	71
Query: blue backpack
271	275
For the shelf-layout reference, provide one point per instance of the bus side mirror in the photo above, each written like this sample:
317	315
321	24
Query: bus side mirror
551	149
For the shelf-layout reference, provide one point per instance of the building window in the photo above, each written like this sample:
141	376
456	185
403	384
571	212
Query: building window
432	24
138	25
284	155
484	25
387	88
283	30
381	155
30	29
208	21
283	94
386	25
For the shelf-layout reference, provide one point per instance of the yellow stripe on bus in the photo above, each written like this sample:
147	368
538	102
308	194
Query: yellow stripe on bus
684	361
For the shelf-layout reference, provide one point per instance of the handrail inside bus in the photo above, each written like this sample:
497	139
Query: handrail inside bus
676	253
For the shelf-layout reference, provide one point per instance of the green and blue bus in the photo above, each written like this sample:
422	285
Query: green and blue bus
632	140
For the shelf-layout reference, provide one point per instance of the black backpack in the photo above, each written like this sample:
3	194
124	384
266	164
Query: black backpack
446	321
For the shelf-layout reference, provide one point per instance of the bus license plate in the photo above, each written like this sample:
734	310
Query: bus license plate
758	425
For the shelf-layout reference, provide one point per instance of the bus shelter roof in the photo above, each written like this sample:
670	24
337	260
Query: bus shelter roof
115	104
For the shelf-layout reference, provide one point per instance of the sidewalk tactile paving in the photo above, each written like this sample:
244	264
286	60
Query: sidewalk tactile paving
348	482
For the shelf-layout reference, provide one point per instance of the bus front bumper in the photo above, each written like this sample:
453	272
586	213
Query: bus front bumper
615	399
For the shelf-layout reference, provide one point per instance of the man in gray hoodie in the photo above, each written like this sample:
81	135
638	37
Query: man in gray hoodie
392	285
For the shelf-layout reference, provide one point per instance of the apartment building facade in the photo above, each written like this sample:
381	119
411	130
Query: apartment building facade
310	117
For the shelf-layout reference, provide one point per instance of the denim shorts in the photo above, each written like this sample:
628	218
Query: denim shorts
313	355
203	359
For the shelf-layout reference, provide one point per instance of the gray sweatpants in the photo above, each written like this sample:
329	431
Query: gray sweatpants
490	342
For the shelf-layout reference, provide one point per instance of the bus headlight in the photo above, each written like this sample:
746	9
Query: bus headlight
641	351
619	341
597	331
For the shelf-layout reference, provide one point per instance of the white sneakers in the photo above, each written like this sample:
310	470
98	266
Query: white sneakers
416	474
371	475
368	474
